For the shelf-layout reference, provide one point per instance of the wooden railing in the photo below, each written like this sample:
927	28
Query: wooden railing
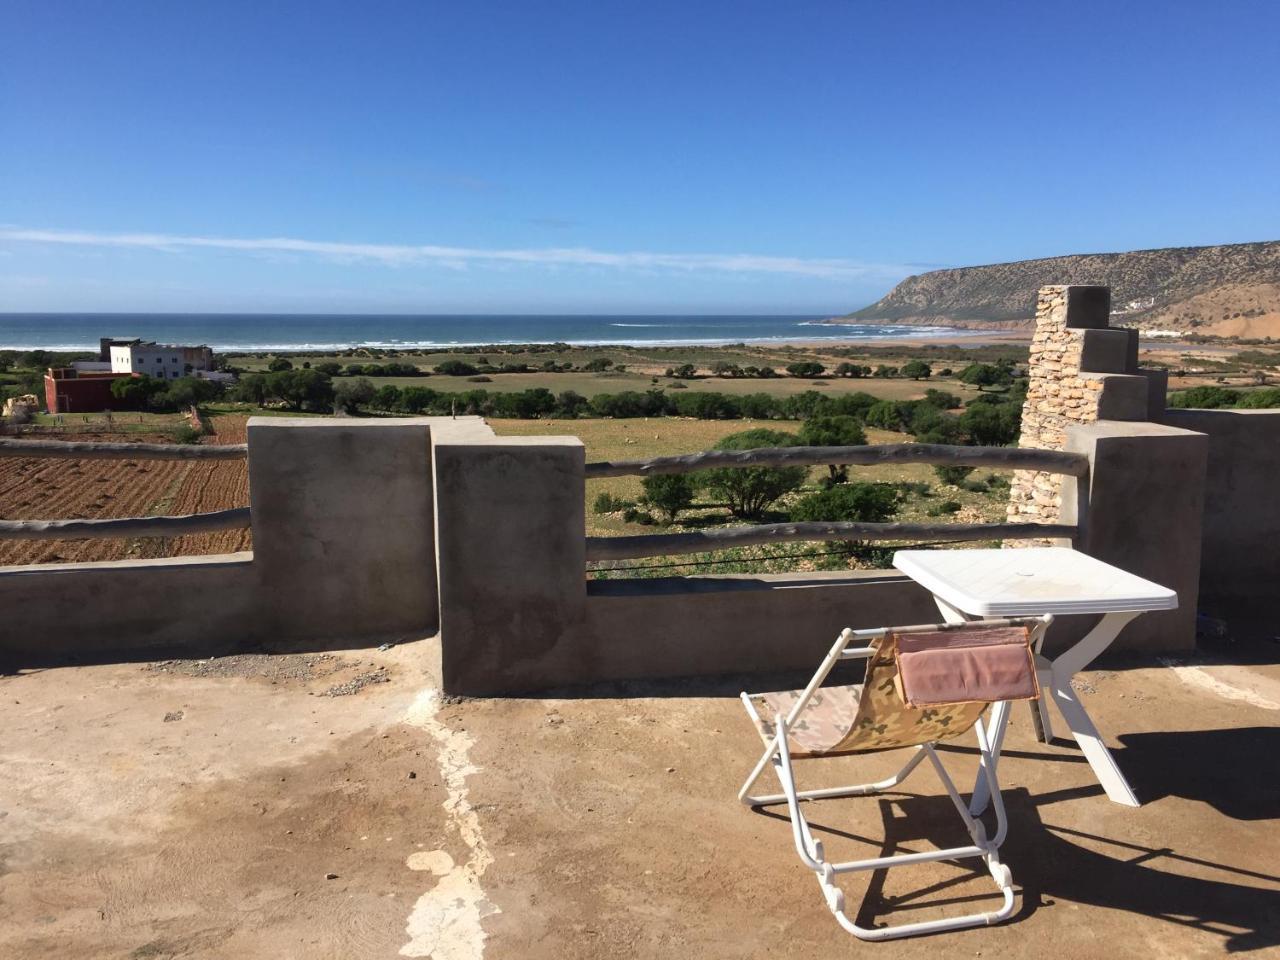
234	519
73	450
673	544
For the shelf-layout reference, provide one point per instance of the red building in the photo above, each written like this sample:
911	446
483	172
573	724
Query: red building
80	391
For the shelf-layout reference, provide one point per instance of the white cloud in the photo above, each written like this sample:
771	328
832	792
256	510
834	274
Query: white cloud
432	254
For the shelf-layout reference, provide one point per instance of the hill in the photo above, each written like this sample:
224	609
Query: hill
1229	290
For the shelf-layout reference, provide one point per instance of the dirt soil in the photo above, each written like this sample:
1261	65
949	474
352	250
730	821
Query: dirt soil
38	488
227	809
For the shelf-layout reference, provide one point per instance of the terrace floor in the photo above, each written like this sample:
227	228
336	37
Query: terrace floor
332	806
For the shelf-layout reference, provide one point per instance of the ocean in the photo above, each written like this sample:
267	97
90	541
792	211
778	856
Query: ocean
297	332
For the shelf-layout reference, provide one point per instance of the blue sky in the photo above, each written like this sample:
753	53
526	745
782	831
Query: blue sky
611	157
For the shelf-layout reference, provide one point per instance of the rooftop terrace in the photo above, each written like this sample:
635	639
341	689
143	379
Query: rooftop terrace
231	808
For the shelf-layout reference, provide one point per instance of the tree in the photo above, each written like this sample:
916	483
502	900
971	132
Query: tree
917	370
252	388
350	395
686	371
330	368
838	431
985	375
992	424
749	491
670	493
301	388
278	364
186	392
597	365
806	369
136	392
723	368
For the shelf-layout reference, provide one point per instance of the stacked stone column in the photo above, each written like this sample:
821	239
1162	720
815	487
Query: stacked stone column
1060	392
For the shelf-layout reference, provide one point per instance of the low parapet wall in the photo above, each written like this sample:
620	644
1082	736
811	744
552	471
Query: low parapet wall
518	616
343	549
1241	556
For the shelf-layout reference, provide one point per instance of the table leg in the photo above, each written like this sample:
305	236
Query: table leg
1077	718
1104	764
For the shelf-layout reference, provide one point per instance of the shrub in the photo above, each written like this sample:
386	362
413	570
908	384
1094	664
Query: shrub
329	367
916	370
944	508
857	502
749	491
1204	398
608	503
278	364
885	415
952	474
456	368
1260	399
942	399
480	378
632	515
670	493
186	434
597	365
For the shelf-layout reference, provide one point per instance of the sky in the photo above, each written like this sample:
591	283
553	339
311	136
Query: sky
607	157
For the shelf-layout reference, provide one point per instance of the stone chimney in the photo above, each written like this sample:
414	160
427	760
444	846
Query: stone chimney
1081	370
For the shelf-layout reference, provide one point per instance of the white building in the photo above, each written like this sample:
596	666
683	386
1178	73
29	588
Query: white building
165	361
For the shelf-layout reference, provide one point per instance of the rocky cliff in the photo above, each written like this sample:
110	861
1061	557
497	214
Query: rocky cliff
1230	290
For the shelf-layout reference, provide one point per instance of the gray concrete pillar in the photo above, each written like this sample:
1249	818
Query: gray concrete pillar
511	551
343	526
1142	512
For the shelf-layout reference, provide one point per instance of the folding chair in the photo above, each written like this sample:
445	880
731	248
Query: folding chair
819	722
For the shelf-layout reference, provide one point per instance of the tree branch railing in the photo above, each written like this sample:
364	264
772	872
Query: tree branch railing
702	541
674	544
121	527
235	519
85	450
1003	458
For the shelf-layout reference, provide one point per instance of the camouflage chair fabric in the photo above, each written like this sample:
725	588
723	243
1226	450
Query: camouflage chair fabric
863	717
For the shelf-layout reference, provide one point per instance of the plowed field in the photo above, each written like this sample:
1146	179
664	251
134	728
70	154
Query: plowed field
45	489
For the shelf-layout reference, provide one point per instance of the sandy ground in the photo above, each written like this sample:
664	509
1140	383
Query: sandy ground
238	808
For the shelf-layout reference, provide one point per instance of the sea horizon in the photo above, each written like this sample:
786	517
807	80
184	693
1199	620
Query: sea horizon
316	332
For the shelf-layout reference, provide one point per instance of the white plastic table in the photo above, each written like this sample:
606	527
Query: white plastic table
1033	581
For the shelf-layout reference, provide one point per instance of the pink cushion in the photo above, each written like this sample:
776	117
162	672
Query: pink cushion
965	665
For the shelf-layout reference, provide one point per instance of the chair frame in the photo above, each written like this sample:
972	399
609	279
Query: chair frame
778	755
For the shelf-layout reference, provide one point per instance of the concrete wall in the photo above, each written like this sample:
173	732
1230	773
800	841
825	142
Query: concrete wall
343	537
1240	562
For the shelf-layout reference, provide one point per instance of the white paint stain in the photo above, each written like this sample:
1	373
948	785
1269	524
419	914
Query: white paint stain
1204	680
445	922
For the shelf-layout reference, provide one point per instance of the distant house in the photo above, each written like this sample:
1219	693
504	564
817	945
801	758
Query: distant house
166	361
85	386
